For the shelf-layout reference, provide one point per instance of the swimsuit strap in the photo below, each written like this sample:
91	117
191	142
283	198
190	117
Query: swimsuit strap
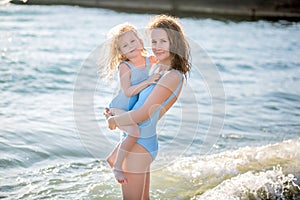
176	90
147	62
133	67
154	69
128	64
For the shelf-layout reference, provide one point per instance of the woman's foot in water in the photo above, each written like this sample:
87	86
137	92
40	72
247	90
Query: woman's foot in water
120	177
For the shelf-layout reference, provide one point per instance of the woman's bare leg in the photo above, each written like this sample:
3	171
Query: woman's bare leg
146	195
136	168
134	189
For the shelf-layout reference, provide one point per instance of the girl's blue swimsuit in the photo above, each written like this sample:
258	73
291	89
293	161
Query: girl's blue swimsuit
138	75
148	137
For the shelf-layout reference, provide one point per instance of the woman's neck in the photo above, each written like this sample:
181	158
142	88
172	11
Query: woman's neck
164	68
165	65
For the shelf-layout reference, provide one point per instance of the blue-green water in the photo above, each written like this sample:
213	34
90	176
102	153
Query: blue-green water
250	152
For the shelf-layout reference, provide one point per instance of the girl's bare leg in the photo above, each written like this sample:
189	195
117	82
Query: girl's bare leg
136	168
111	160
124	147
112	156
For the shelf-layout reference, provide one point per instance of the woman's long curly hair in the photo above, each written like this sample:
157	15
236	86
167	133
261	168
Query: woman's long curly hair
179	46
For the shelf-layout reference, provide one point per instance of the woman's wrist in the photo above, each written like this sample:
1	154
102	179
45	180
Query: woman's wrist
123	119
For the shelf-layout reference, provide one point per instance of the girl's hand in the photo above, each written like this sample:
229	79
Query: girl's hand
154	78
112	125
107	113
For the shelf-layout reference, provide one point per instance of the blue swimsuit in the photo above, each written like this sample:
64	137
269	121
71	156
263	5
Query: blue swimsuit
148	137
138	75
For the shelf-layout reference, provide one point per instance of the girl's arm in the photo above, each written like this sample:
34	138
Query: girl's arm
130	90
163	90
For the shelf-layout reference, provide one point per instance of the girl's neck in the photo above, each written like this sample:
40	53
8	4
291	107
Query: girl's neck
138	61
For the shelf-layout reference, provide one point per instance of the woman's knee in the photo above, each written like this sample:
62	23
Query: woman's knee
135	188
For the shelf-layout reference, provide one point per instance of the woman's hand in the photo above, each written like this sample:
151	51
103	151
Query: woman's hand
112	125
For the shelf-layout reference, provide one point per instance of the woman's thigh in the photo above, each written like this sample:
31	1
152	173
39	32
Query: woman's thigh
136	169
138	160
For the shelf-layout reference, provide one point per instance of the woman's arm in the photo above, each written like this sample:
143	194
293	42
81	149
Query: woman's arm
130	90
167	107
163	90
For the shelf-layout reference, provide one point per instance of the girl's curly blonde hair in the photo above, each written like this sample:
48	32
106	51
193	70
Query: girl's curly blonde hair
113	58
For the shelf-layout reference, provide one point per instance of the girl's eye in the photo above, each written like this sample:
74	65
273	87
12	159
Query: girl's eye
153	42
132	41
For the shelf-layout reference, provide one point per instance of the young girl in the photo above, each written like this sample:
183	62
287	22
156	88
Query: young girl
171	48
128	56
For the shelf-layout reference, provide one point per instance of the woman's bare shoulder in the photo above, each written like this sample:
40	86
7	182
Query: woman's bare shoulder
173	74
170	78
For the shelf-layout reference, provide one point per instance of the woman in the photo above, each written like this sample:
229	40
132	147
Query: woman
171	48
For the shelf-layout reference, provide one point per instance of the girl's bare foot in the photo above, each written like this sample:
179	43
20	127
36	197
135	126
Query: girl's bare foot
120	177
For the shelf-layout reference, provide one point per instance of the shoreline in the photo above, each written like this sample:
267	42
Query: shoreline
218	9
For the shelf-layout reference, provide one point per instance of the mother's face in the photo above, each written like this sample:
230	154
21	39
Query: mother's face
160	44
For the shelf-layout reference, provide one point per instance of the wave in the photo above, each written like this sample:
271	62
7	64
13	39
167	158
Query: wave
270	184
265	172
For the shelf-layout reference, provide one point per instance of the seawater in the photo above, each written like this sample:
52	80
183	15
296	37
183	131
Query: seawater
233	134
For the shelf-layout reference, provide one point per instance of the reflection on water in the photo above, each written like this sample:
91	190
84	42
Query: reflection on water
43	156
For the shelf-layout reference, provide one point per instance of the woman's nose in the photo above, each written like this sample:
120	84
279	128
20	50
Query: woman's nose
158	45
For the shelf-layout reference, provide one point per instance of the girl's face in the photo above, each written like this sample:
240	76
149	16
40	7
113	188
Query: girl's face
129	45
161	45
